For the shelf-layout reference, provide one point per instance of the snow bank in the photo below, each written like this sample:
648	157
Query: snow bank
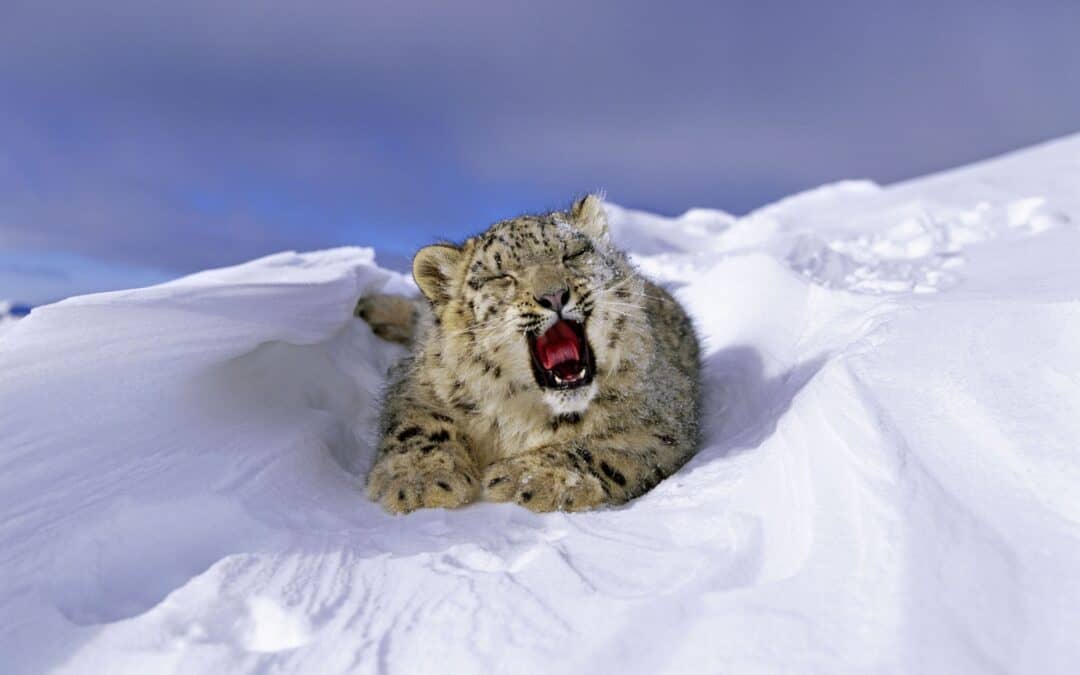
888	482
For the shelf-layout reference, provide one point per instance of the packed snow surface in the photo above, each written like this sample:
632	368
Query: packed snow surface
890	479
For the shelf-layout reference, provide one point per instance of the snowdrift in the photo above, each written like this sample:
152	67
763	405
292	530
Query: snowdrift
889	481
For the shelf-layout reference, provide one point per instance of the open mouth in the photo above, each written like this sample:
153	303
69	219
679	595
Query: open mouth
561	357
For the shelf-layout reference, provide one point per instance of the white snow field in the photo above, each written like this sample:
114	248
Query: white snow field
890	481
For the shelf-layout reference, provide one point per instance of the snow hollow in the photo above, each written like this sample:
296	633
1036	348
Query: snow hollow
890	480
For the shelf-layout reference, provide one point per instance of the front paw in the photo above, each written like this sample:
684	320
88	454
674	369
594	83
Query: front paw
437	481
542	482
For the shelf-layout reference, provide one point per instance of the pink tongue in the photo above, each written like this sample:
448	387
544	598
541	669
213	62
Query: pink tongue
558	345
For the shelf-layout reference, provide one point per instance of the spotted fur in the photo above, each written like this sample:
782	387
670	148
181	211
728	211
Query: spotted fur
464	418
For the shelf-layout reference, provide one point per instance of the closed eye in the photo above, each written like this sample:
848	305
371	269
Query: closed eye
577	253
476	282
497	277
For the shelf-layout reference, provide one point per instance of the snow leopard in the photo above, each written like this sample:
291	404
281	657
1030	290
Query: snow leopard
545	370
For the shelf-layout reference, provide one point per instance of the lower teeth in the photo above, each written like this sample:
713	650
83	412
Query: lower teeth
580	374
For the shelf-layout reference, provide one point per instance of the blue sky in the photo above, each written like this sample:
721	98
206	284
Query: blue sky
141	140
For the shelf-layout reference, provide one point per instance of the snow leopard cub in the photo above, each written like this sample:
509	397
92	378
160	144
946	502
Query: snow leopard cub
545	371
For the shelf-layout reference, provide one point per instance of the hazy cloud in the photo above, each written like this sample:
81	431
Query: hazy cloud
181	135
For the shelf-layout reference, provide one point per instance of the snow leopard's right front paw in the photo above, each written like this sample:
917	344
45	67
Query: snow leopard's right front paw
405	482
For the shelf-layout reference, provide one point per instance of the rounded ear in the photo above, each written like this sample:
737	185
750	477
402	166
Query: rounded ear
589	216
434	268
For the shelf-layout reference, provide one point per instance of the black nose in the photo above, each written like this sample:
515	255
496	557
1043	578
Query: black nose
554	301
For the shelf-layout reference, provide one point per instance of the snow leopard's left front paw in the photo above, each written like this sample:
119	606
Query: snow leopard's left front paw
543	481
